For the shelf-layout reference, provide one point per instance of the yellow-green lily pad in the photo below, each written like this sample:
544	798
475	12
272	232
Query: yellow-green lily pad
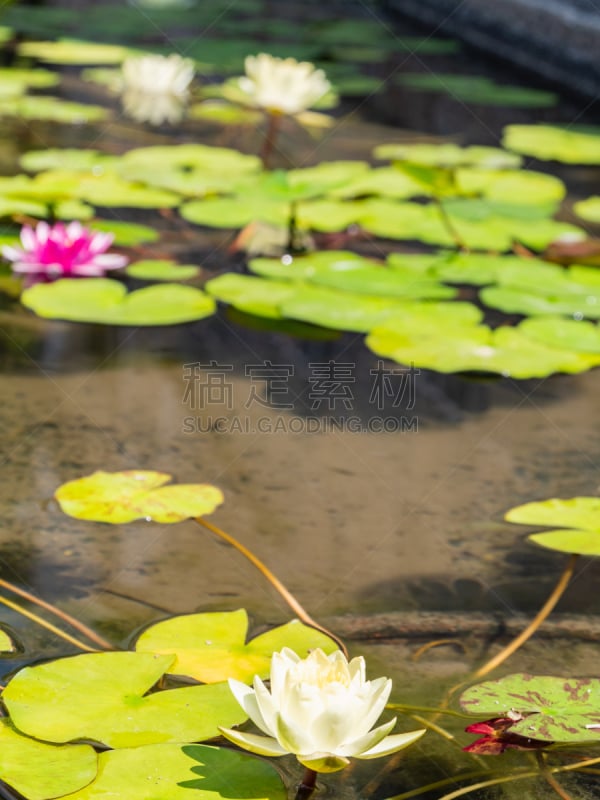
161	270
252	295
569	334
579	515
103	697
212	647
106	301
41	771
588	209
70	51
118	497
127	234
448	155
569	144
182	772
52	108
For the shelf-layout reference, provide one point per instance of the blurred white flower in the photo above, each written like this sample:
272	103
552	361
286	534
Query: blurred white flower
282	85
321	709
155	88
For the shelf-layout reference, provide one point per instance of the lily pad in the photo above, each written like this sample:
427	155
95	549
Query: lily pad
235	212
40	771
555	709
71	51
569	144
29	78
476	90
224	113
588	209
513	300
212	647
468	348
252	295
581	336
65	158
118	497
581	515
379	281
305	267
182	772
449	155
7	644
127	234
105	301
53	109
103	697
161	270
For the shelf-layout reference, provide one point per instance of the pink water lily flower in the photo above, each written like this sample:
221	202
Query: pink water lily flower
58	251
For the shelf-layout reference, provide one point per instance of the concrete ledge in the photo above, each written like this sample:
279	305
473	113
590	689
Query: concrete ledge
558	40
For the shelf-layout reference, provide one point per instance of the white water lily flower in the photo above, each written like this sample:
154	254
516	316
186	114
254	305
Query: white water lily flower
321	709
155	88
282	85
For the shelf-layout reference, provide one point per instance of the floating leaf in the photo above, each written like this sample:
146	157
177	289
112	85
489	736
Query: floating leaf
513	187
580	514
40	771
520	301
110	191
224	113
28	78
583	337
102	697
118	497
569	144
106	301
449	155
379	281
182	772
67	51
554	709
127	234
66	159
161	270
212	647
52	108
589	209
235	212
252	295
479	91
298	268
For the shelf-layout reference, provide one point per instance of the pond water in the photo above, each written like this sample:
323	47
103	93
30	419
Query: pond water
378	504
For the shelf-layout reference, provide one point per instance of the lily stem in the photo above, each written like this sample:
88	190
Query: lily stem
74	623
308	785
273	580
542	614
47	625
273	122
549	777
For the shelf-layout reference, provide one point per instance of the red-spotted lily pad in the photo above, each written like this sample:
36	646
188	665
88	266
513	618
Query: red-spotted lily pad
580	517
118	497
40	771
212	647
544	708
103	697
182	772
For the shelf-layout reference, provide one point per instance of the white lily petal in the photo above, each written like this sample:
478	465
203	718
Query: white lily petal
392	744
364	743
265	706
293	736
261	745
379	692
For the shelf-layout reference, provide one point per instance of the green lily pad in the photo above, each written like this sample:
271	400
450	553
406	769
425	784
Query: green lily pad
53	109
327	216
186	158
102	697
40	771
347	311
449	155
212	647
110	191
305	267
555	709
583	337
10	206
252	295
118	497
65	158
513	300
127	234
479	91
588	209
29	78
512	187
382	182
7	644
379	281
467	348
581	515
161	270
570	144
224	113
67	51
105	301
182	772
478	269
235	212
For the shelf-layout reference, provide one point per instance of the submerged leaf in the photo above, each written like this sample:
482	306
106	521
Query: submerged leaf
212	647
182	772
118	497
102	697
